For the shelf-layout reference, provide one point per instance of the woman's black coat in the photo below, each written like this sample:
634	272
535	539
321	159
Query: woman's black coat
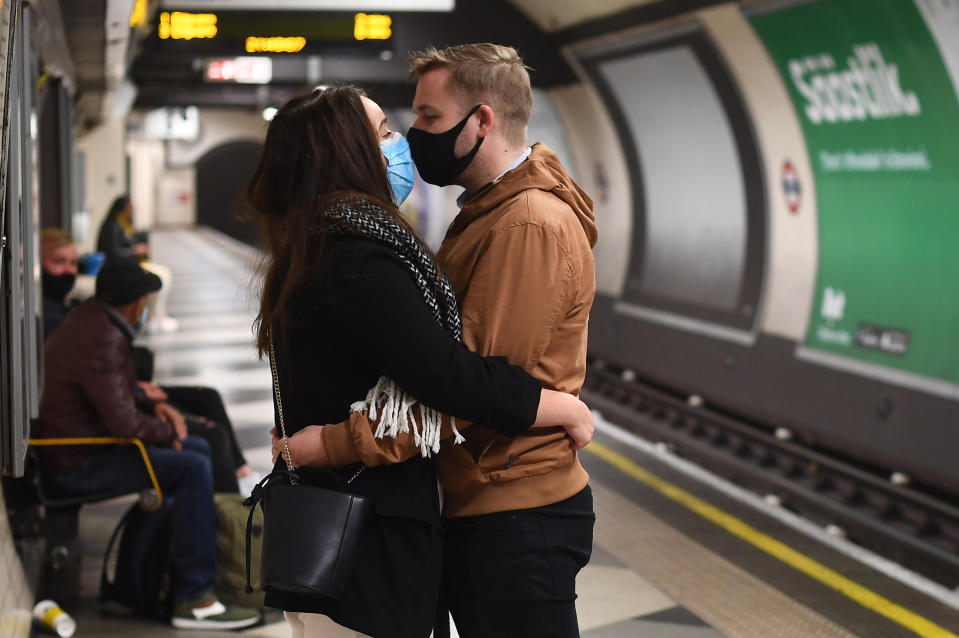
362	316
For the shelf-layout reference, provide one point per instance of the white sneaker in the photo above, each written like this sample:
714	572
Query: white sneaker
163	324
248	482
210	613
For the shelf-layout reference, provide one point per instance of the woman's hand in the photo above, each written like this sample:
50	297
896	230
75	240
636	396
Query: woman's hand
559	408
306	447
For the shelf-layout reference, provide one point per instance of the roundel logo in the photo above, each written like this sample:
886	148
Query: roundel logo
791	188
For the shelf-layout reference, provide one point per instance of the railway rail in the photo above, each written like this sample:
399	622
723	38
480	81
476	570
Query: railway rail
917	529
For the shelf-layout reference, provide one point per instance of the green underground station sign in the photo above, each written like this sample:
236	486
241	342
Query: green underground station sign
880	113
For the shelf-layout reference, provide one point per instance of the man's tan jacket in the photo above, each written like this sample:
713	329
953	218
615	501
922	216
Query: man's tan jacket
519	256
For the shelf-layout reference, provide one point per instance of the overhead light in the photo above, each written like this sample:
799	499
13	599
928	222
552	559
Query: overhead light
139	14
181	25
279	44
269	112
372	26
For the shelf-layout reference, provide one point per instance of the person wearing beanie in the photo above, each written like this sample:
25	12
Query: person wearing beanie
90	390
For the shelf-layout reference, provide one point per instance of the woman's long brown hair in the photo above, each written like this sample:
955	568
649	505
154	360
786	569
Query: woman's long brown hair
319	148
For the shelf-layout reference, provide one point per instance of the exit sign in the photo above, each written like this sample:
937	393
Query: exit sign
245	70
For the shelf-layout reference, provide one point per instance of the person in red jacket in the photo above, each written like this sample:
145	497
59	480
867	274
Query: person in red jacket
90	391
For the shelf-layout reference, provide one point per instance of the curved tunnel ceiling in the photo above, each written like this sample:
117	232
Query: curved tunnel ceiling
554	15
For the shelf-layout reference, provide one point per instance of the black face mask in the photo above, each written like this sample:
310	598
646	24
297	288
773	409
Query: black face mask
434	154
56	287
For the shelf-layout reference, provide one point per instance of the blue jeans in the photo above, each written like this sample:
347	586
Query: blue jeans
187	477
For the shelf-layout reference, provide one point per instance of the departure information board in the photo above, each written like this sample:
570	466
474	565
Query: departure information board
239	32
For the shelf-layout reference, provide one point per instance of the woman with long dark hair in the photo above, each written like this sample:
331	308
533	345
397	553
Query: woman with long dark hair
355	308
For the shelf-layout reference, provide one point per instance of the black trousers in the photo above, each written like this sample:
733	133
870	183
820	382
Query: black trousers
225	454
514	573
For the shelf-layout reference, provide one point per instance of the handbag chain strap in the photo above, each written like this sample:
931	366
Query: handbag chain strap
279	411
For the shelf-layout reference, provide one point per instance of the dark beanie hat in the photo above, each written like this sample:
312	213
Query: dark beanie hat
123	282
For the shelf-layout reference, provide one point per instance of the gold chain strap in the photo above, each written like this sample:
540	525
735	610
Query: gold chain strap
279	410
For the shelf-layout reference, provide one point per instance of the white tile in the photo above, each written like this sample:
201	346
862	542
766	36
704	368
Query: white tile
251	412
274	630
208	337
221	355
222	380
208	321
260	458
609	595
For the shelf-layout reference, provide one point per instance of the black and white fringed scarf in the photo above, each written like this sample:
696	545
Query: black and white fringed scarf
386	399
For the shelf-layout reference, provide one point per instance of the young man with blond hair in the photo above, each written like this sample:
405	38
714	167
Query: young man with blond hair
58	260
518	512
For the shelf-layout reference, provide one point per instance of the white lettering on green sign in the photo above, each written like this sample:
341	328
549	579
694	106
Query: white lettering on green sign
868	87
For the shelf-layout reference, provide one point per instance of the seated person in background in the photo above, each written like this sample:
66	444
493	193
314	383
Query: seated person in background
205	413
118	241
58	258
90	390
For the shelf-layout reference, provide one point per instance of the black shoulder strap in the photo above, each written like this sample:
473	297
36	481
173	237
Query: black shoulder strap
104	582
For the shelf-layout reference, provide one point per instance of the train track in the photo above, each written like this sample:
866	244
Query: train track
900	522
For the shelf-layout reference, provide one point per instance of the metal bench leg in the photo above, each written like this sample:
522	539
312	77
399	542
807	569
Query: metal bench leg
62	532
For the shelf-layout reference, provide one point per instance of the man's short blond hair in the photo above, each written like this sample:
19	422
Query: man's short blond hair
485	73
53	238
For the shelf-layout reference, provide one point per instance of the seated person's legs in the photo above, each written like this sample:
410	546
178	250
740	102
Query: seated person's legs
186	476
205	416
218	442
159	320
207	403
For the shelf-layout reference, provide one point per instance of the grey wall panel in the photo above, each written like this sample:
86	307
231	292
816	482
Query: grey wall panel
694	188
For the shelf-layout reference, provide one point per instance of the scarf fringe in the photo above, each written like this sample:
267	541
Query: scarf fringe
394	408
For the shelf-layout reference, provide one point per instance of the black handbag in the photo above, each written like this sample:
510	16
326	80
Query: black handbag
310	533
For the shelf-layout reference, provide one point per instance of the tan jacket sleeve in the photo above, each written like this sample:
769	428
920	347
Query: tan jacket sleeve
352	441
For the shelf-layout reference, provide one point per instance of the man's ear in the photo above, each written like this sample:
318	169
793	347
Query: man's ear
487	119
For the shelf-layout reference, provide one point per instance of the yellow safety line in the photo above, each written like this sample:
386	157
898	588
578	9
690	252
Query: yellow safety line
771	546
108	440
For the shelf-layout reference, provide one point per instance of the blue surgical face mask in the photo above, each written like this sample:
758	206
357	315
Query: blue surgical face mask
142	321
399	169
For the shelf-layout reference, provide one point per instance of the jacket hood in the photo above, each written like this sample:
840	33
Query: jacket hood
543	171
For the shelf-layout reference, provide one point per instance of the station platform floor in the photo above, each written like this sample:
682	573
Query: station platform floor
677	553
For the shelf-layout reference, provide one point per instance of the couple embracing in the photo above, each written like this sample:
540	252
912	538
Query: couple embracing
480	347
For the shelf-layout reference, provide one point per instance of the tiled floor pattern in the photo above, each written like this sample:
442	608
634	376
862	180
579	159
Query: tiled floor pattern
210	296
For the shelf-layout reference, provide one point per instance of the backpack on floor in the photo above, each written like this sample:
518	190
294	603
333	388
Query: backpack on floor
231	517
142	579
